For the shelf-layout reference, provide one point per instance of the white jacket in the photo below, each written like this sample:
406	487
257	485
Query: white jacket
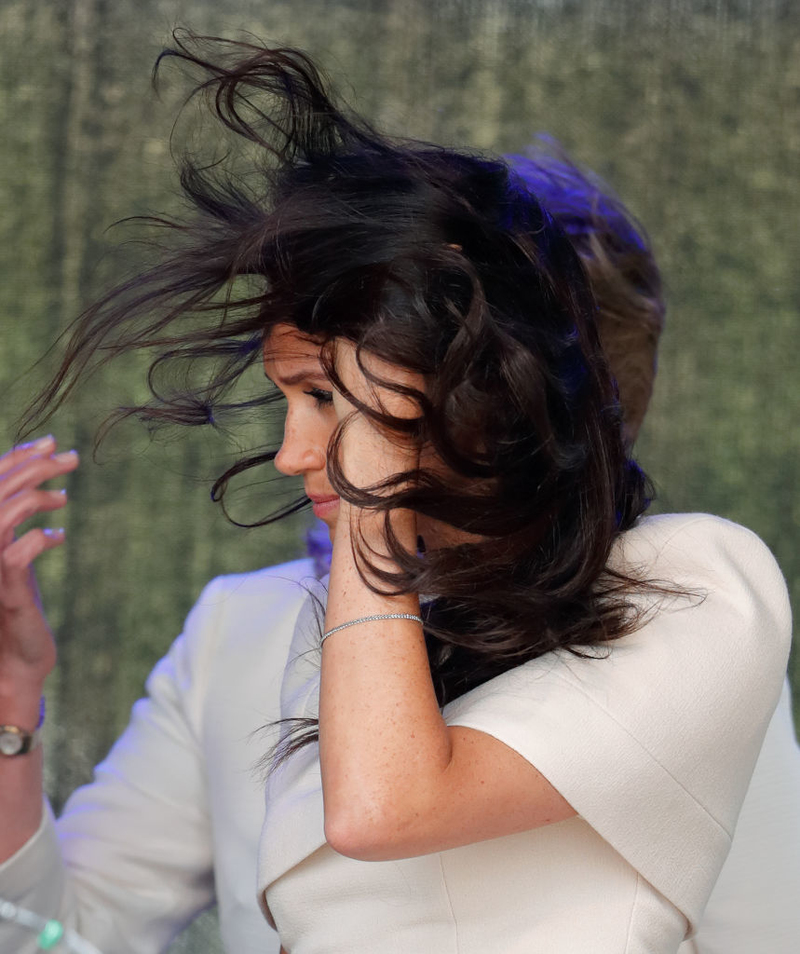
171	822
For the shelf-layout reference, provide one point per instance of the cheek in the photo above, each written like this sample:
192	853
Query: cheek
340	407
325	429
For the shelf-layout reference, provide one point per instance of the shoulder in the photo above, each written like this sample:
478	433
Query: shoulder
283	581
269	592
653	738
242	609
238	631
686	543
711	560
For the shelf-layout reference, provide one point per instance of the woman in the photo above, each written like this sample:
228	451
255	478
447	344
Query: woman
550	750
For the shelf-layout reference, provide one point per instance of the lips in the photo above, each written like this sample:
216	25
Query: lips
323	506
320	498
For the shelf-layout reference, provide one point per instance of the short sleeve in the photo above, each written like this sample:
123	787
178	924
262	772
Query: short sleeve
653	739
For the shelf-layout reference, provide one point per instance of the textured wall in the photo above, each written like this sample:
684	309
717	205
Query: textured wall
690	109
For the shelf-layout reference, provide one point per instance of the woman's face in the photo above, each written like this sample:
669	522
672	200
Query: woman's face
292	363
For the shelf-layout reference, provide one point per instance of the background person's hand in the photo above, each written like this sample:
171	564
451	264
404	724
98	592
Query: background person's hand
27	649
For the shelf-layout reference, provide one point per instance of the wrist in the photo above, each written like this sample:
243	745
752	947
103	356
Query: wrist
20	739
20	700
355	523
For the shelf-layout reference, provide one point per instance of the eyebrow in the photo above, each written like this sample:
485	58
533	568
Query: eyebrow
297	377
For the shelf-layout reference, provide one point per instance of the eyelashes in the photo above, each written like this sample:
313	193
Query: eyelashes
321	397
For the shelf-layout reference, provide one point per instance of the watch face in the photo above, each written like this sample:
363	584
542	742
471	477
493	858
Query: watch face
10	742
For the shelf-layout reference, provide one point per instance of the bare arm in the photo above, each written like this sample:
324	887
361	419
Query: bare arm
27	650
397	781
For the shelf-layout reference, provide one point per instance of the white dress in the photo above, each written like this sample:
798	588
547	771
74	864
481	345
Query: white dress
653	742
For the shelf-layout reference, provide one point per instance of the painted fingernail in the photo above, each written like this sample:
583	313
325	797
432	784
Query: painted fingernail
41	443
50	532
67	457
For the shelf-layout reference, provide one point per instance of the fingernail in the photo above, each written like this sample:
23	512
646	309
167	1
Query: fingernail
49	532
67	457
39	444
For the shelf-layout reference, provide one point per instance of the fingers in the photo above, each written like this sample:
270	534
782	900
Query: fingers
15	565
24	505
35	471
22	452
29	502
24	468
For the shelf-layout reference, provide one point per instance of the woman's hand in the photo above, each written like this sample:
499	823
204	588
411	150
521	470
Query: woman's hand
27	650
367	454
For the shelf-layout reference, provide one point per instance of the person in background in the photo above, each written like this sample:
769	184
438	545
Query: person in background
619	261
172	819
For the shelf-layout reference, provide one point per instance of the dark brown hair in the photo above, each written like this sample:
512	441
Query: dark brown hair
439	261
616	253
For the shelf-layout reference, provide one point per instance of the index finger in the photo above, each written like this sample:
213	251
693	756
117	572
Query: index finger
17	454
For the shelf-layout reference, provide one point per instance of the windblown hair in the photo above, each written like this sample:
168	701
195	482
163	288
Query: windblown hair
438	261
618	258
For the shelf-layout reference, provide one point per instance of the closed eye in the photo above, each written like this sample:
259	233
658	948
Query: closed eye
322	397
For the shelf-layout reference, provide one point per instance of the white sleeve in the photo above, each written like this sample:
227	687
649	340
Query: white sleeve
754	904
33	878
654	739
135	861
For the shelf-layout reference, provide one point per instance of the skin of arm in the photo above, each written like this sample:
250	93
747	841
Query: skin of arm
27	650
397	780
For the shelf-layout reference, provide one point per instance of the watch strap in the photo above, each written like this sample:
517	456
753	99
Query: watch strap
17	741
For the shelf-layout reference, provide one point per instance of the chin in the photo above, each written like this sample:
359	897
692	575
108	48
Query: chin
327	527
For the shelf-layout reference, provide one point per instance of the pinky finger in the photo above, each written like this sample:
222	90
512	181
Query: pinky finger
21	553
53	537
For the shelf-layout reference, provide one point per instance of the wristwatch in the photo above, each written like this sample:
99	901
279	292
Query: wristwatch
16	741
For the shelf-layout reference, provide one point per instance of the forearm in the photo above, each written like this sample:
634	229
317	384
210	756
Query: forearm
21	775
397	781
27	650
382	736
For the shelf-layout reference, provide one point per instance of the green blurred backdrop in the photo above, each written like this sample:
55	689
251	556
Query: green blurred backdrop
690	109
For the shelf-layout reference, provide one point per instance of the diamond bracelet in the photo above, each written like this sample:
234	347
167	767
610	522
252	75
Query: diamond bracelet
371	619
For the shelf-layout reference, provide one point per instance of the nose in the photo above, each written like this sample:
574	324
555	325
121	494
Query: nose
301	450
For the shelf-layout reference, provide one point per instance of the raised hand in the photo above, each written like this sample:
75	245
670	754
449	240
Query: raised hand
27	650
369	454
